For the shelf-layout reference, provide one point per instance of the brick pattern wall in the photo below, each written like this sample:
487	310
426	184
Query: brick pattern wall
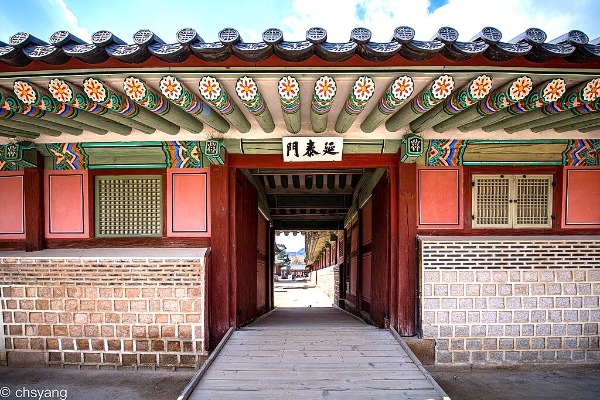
108	313
511	300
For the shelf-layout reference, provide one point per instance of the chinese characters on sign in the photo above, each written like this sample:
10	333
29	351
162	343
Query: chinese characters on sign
312	148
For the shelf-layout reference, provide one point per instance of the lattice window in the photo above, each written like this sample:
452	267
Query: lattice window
512	201
129	206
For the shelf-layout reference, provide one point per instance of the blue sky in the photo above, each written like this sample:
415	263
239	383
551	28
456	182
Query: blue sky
165	17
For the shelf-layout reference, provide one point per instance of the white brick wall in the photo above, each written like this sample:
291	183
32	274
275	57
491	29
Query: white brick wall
509	300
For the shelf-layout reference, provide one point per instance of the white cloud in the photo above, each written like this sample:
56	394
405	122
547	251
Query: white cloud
70	19
468	17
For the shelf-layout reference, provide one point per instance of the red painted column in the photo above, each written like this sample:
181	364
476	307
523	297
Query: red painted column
407	263
394	246
34	206
218	274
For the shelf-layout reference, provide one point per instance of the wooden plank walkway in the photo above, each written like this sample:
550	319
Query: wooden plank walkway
313	353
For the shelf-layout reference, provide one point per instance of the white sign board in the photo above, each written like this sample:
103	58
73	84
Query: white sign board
299	148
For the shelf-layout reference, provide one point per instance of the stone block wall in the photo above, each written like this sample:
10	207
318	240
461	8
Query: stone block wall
328	281
103	312
511	300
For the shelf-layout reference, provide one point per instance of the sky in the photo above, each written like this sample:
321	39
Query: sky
292	242
123	18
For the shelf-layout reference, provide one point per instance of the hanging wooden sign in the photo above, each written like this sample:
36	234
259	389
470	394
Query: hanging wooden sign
312	148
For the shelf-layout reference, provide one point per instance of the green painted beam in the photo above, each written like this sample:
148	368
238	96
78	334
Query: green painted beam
573	123
47	124
359	96
590	129
460	100
175	91
497	100
553	115
216	95
9	131
583	93
289	95
30	94
25	127
322	99
396	94
428	98
138	91
544	93
248	92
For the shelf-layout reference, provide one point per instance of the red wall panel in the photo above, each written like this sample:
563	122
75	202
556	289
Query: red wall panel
12	216
66	204
187	202
581	194
366	277
439	198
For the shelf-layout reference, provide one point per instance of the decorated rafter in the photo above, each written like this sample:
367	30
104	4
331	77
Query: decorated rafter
106	97
322	98
175	91
145	96
583	93
215	95
396	94
432	95
248	92
459	101
35	96
499	99
16	115
544	93
289	94
359	96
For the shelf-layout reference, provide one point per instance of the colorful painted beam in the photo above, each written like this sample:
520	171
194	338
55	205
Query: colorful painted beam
289	94
396	94
248	92
499	99
542	94
581	94
322	98
106	97
215	95
459	101
359	96
145	96
13	109
432	95
35	96
175	91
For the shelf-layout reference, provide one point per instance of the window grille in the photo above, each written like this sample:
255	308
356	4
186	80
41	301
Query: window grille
512	201
129	206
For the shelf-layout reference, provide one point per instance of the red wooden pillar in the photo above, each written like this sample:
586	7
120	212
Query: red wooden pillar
219	270
407	230
34	206
380	262
394	246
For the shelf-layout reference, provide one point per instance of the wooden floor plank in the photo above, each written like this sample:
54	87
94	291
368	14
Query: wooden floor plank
313	353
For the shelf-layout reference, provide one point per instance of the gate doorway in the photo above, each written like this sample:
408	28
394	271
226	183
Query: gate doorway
348	210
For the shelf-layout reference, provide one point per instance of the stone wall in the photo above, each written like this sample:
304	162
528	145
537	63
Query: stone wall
511	300
328	281
112	312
